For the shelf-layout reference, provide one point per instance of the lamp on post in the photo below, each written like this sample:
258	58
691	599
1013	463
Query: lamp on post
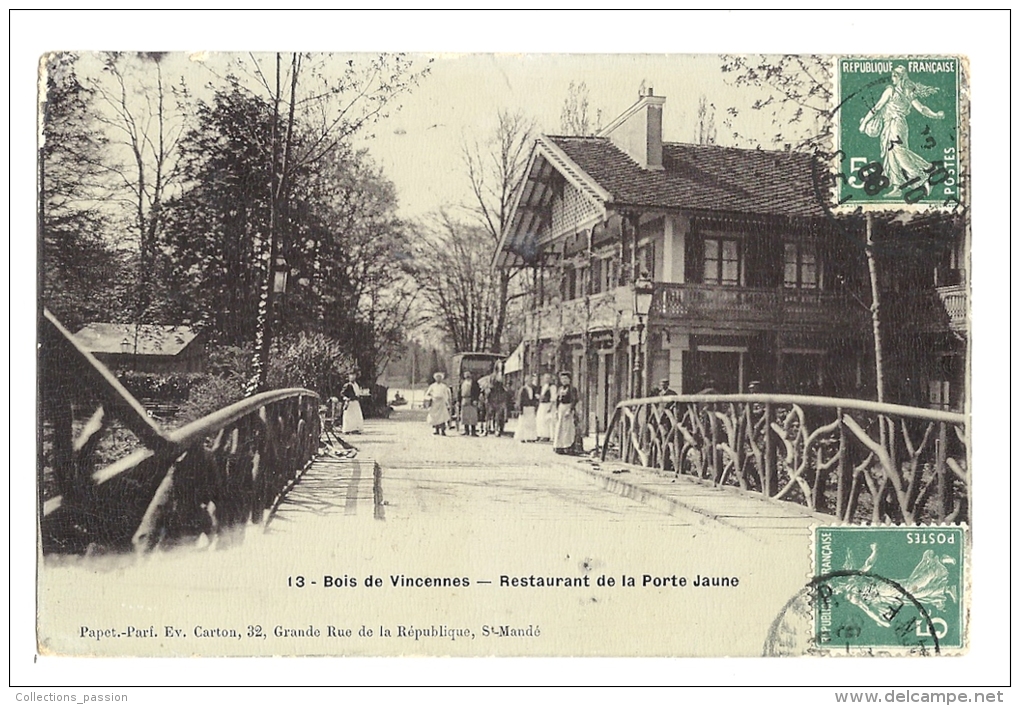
280	274
643	291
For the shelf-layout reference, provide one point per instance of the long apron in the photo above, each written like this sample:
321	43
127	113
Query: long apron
566	430
527	429
354	421
468	414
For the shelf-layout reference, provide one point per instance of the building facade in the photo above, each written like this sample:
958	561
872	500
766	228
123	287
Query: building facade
753	281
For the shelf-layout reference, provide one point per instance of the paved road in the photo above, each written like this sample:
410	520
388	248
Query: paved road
428	477
403	472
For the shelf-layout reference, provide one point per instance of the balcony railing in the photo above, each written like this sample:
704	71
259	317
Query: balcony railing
953	300
935	310
603	311
859	461
794	308
709	305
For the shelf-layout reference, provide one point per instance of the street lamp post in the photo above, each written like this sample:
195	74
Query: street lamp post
280	273
643	291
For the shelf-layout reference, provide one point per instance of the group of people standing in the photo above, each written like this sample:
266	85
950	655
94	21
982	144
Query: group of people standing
477	407
547	412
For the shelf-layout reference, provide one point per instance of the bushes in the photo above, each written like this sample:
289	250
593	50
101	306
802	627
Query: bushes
161	387
211	394
311	360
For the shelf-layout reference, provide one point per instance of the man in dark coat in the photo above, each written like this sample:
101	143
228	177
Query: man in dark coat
469	394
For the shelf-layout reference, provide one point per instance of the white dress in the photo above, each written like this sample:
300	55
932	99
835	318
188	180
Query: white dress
545	420
439	396
527	428
354	420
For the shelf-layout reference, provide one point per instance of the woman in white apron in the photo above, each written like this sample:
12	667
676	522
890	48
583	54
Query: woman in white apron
527	403
354	421
565	436
545	417
438	399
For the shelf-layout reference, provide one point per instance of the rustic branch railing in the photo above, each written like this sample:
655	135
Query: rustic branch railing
858	461
212	475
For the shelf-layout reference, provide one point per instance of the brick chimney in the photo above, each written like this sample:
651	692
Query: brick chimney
638	131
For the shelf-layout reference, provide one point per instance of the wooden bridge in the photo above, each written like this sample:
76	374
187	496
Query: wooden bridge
754	463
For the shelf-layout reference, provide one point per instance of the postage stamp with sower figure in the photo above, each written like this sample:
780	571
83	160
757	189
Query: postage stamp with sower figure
890	587
898	136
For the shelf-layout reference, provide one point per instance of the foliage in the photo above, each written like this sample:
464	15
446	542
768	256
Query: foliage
81	273
213	228
163	387
160	206
210	394
313	360
351	264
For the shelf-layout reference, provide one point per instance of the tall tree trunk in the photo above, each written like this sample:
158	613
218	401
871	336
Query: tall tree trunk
876	318
263	321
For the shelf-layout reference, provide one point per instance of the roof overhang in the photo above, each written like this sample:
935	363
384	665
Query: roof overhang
519	242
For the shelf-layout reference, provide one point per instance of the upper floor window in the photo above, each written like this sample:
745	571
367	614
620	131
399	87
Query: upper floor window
800	266
722	261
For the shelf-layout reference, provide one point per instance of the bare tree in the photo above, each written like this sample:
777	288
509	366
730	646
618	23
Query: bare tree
495	169
796	96
144	116
575	117
452	263
706	132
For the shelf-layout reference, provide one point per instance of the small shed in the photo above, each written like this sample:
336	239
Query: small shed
145	347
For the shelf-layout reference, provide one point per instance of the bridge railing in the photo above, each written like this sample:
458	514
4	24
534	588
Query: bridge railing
110	479
858	461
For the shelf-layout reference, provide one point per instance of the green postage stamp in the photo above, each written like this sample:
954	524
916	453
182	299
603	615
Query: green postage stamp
898	138
889	588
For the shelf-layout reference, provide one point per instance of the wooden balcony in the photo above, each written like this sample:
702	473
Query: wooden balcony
746	307
598	312
953	302
703	306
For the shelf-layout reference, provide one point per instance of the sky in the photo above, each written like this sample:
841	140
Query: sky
984	37
420	146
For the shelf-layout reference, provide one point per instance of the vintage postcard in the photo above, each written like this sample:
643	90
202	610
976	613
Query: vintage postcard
504	355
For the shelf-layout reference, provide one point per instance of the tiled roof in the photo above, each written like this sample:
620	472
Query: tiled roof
705	177
152	340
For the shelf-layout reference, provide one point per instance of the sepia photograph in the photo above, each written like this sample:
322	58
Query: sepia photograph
532	354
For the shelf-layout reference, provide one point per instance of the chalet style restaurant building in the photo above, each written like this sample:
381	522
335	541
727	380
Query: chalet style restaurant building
719	268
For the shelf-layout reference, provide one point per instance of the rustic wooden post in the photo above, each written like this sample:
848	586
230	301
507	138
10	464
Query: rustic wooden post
714	452
843	468
942	475
770	482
